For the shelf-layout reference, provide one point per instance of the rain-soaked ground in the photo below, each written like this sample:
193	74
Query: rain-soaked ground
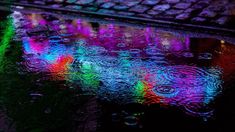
60	74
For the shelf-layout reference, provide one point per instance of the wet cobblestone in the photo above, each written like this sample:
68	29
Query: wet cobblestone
221	12
139	9
182	5
183	16
108	5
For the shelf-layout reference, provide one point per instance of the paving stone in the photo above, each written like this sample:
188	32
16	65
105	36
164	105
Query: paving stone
59	1
154	12
117	1
150	2
162	7
173	12
216	8
182	5
214	11
165	17
190	1
99	2
126	13
107	5
222	2
205	2
228	13
207	13
24	1
231	9
139	8
131	2
120	7
56	5
76	7
84	2
183	16
71	1
39	2
144	15
172	1
191	10
93	9
199	6
105	11
48	1
222	20
199	19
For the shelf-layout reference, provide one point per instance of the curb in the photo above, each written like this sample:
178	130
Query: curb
138	20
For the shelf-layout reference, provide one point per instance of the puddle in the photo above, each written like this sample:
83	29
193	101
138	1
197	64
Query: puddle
51	66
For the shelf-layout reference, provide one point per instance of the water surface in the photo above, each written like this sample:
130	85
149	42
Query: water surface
67	74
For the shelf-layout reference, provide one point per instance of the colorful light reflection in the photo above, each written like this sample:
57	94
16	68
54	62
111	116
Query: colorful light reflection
122	63
6	39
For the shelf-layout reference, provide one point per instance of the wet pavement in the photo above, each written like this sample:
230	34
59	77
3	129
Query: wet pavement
70	74
212	13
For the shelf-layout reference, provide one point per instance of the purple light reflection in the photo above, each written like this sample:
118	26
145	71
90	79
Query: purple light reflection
114	55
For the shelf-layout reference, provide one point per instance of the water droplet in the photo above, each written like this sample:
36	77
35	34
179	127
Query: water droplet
47	110
205	56
166	91
121	45
131	121
152	50
188	54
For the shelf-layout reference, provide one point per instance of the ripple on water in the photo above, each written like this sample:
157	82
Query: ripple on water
107	61
198	106
187	75
188	54
81	42
34	65
116	117
131	121
152	50
156	60
55	39
124	54
135	52
167	91
205	56
35	96
117	92
121	45
97	51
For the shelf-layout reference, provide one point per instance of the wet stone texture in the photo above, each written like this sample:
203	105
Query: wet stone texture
219	12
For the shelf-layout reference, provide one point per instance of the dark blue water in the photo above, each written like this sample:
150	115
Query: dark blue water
69	74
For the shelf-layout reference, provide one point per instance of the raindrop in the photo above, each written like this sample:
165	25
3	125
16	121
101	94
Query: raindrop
131	121
47	110
55	39
116	117
108	61
166	91
197	107
36	94
152	50
188	54
205	56
97	50
121	45
135	52
185	75
81	42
